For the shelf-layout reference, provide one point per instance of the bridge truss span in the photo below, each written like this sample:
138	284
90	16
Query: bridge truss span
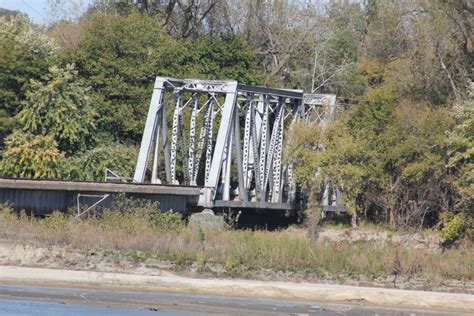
226	138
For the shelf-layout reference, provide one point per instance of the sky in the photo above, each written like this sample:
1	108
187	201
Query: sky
37	10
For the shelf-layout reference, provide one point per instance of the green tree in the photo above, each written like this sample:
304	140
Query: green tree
461	150
6	12
389	162
336	54
59	107
227	57
121	54
30	156
25	53
119	57
91	165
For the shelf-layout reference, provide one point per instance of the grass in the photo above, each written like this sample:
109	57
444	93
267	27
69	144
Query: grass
238	251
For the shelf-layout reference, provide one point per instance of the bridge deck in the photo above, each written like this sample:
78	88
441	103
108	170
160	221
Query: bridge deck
88	186
44	196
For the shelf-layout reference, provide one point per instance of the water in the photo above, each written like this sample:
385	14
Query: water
30	300
17	308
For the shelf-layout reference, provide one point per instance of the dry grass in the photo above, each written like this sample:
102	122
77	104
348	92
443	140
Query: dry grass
239	251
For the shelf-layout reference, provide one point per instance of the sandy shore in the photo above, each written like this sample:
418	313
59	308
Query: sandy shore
240	288
54	266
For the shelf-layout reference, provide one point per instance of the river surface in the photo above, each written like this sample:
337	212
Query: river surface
52	301
10	307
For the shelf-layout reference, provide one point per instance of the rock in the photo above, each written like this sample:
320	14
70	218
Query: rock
207	220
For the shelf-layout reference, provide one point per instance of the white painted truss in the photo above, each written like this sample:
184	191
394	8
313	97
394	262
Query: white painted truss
237	156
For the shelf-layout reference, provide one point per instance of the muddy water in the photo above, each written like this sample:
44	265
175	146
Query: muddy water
51	301
14	308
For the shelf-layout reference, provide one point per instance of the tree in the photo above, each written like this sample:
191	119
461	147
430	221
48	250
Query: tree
421	44
120	56
181	19
6	12
59	107
459	221
30	156
65	10
390	170
461	150
226	57
67	35
282	34
91	165
25	53
335	59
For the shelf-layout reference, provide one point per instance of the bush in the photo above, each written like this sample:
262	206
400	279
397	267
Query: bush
91	164
56	221
167	221
30	156
6	213
456	227
135	215
129	222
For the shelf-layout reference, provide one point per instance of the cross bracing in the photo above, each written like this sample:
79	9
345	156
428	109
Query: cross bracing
226	138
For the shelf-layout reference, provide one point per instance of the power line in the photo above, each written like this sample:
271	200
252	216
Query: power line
32	8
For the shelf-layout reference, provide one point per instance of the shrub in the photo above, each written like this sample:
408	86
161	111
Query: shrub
6	213
134	215
56	221
30	156
456	227
167	221
90	165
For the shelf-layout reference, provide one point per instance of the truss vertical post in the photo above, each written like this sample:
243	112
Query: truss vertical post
156	153
166	147
263	148
325	200
192	140
277	183
246	150
272	148
226	168
243	194
202	140
227	113
210	127
150	125
184	149
174	135
255	140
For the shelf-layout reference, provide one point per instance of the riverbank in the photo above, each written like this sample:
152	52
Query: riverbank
34	254
448	302
124	243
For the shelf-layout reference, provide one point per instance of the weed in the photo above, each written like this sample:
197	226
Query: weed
202	235
129	233
201	261
229	263
140	256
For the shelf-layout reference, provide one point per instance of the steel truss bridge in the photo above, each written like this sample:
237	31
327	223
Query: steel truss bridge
206	144
228	139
